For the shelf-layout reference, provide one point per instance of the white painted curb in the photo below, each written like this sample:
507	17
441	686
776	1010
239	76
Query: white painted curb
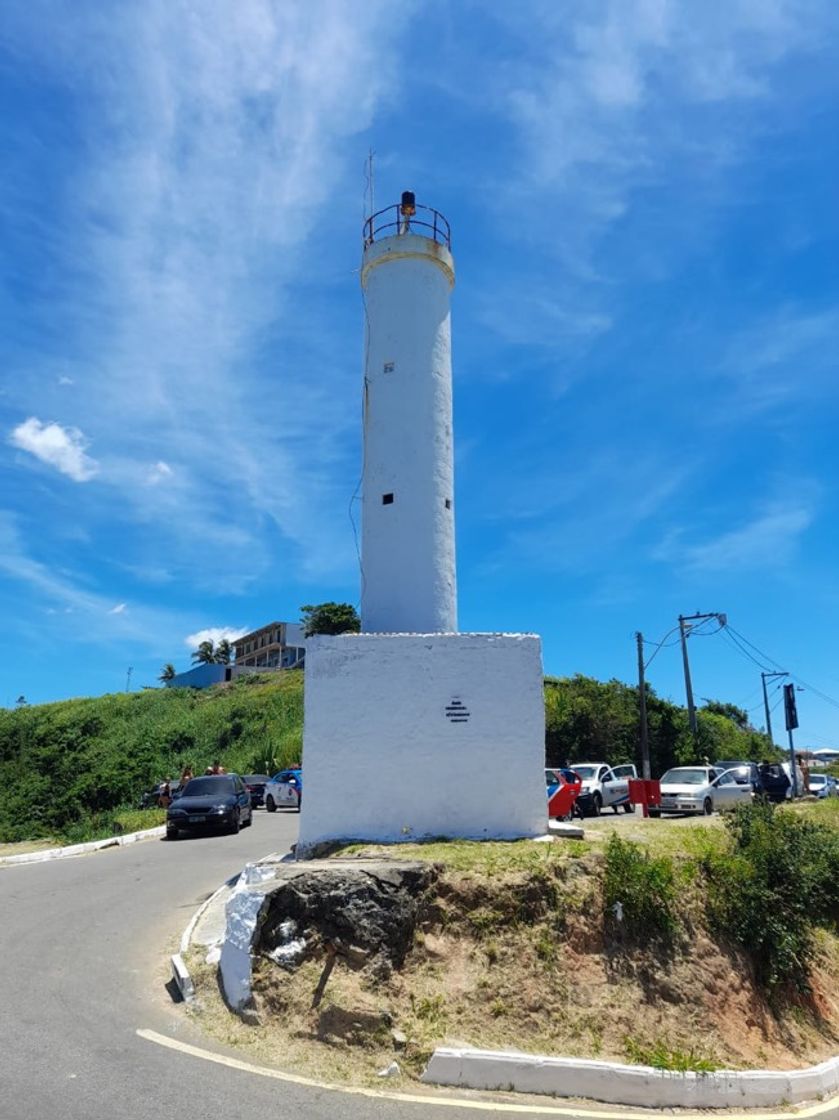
180	974
629	1085
186	936
81	849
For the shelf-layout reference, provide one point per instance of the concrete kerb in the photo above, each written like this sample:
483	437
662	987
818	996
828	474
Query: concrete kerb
81	849
614	1083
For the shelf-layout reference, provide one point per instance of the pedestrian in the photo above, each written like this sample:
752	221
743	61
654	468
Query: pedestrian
217	768
164	797
187	774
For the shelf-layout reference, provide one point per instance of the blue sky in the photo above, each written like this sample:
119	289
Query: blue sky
643	202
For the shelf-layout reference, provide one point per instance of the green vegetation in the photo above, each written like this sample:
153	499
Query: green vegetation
777	883
71	770
641	888
330	618
660	1056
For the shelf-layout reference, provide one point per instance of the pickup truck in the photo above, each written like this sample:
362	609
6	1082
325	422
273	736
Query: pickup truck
604	787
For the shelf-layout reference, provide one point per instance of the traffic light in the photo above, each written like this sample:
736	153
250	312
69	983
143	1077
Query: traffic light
790	711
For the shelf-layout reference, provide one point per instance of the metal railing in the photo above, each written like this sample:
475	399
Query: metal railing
391	222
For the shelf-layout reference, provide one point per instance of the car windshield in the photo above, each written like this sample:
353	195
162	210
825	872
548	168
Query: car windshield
685	777
817	780
206	787
586	771
254	779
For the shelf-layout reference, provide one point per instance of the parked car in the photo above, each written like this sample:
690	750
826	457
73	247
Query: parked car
822	785
563	788
604	786
743	772
700	789
211	802
255	785
284	790
777	780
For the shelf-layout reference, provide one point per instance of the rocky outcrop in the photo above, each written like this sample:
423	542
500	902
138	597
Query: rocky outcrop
365	910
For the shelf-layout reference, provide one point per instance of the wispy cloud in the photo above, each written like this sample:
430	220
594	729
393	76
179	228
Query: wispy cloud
62	448
120	608
214	634
215	142
770	540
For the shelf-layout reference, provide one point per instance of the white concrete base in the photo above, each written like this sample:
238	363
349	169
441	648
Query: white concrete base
629	1085
414	736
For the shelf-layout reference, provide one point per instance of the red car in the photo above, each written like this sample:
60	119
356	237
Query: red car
563	787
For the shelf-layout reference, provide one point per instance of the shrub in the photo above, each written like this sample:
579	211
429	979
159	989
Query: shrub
775	885
643	888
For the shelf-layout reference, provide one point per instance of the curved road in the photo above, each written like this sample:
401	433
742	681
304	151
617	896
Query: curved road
83	946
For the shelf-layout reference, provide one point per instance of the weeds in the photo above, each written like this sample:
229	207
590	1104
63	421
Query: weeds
641	889
660	1056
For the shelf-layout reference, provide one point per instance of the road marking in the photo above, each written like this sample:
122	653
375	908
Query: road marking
817	1109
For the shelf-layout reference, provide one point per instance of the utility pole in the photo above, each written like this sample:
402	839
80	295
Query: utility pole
764	678
128	678
683	634
642	700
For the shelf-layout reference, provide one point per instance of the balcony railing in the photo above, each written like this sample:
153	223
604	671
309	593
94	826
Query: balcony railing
392	221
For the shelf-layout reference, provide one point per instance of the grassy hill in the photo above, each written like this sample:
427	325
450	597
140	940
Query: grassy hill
67	769
70	770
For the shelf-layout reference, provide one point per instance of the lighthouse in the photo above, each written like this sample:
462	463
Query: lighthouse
408	544
412	728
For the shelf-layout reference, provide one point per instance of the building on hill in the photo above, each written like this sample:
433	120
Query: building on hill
279	645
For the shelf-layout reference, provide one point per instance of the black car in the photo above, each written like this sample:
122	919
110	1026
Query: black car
255	785
217	802
775	781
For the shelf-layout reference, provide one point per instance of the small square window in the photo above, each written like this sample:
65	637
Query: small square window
389	367
448	503
387	499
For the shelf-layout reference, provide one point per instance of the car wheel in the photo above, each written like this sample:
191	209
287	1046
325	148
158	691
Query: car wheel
235	824
628	807
596	805
299	801
656	813
173	834
707	806
270	804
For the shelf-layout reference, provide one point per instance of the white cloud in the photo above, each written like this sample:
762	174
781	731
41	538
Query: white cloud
214	634
66	381
118	609
158	473
62	448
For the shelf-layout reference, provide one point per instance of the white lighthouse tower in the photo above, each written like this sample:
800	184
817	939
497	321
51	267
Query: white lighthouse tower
408	550
412	729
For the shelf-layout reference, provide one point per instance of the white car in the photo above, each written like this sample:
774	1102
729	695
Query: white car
822	785
700	789
284	790
604	786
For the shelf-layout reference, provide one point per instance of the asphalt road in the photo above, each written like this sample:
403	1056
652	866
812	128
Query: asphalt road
83	946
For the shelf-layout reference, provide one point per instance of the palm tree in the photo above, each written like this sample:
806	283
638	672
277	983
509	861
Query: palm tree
167	672
205	654
224	652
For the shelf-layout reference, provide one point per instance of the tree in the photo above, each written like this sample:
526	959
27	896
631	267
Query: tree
167	672
224	652
22	702
205	654
330	618
720	708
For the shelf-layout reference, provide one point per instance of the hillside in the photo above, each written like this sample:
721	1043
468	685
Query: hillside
67	767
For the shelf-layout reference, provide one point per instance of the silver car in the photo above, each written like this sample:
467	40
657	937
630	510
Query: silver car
700	789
